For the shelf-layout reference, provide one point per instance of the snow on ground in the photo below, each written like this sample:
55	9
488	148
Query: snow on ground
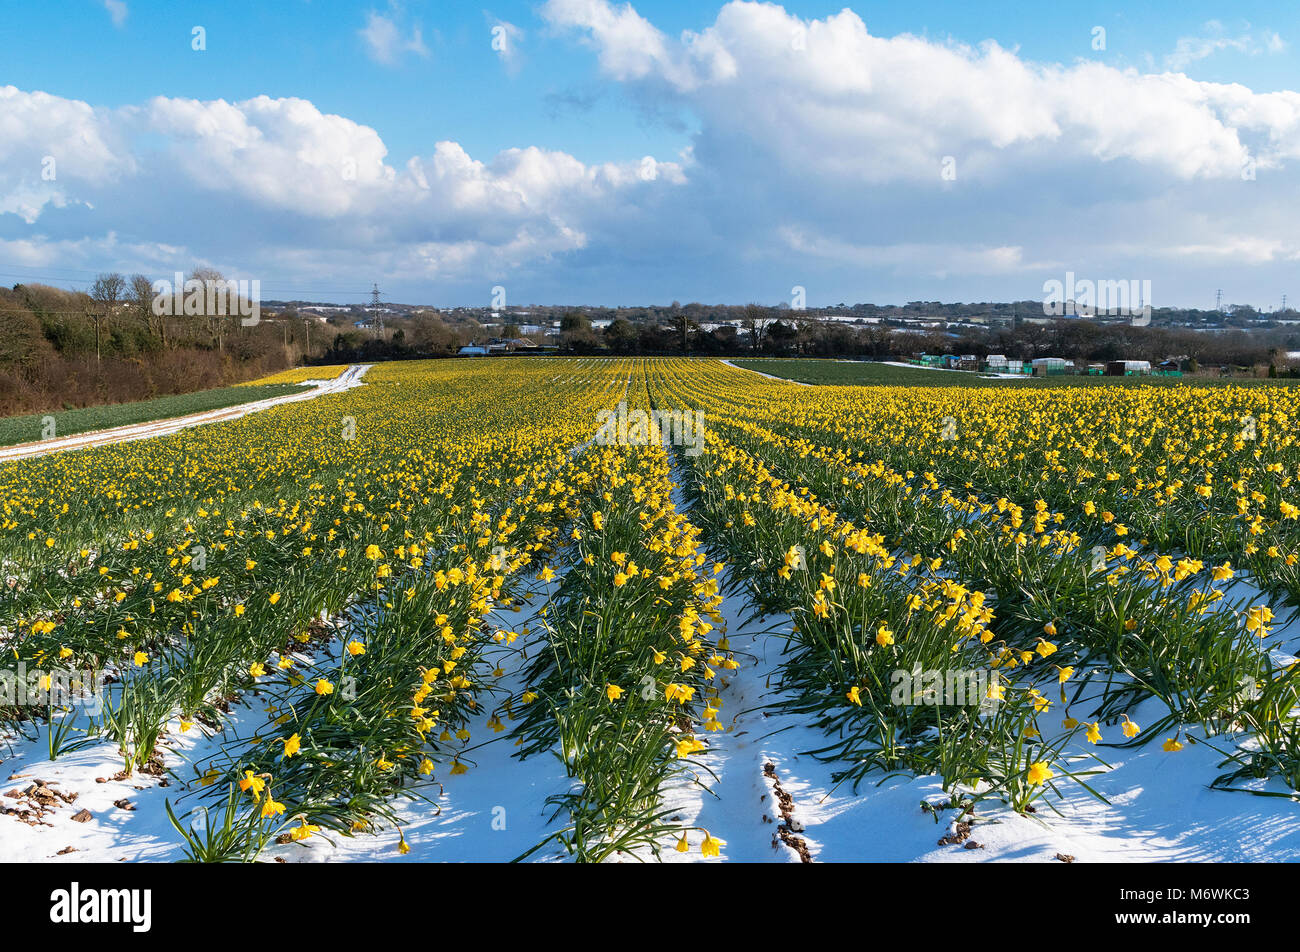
492	813
1161	808
137	831
495	812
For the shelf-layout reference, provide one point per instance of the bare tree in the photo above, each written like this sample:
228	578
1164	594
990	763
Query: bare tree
214	319
141	297
756	319
807	328
104	295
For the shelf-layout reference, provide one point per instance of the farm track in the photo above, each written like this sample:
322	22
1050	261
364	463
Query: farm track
153	428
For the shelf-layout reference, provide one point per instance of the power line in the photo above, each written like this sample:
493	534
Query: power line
376	312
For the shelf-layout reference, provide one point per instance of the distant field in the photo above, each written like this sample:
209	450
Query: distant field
28	429
859	374
300	374
867	374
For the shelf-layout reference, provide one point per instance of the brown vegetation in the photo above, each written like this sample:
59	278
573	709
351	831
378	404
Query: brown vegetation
66	349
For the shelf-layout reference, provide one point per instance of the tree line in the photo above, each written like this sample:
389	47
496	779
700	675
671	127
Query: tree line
779	332
62	349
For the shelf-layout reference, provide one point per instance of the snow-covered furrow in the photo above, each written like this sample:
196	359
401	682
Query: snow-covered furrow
1160	807
495	811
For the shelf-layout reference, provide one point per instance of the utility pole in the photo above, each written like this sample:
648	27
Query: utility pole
1218	300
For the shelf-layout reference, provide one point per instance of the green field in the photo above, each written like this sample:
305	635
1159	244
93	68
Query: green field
869	374
30	428
860	373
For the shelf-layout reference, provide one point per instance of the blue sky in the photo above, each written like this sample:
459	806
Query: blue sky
799	144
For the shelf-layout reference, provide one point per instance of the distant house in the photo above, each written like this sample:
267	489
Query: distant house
472	350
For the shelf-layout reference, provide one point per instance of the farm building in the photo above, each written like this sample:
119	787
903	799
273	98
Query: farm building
1128	368
1049	366
472	350
505	344
1001	364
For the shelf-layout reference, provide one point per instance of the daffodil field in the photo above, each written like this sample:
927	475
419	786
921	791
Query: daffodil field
629	593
